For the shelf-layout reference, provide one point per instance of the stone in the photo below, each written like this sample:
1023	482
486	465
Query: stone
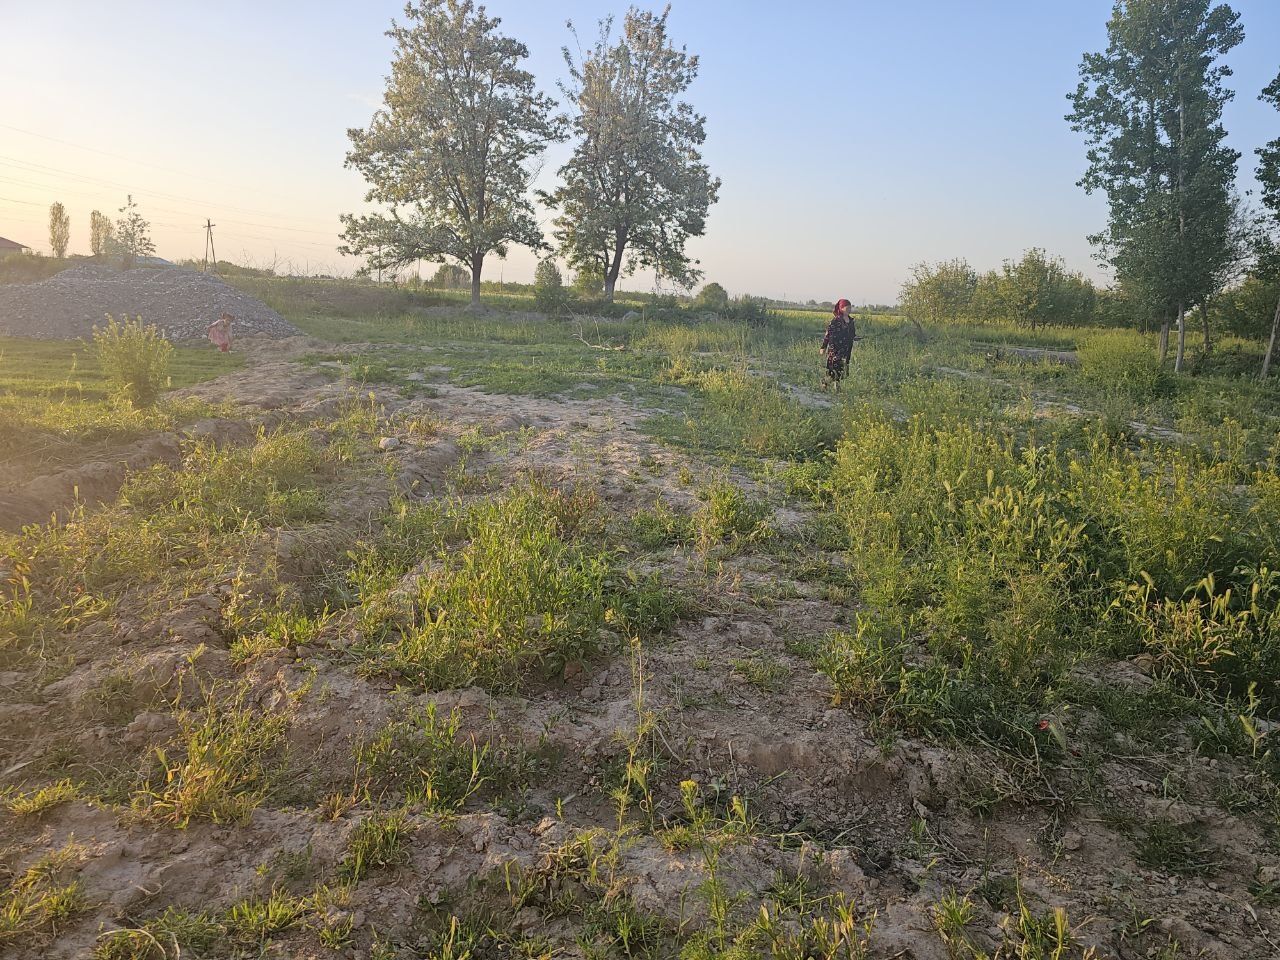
389	443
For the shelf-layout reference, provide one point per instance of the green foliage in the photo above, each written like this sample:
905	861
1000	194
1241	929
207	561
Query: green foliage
1150	106
377	841
421	758
711	297
458	109
135	359
548	288
101	233
37	802
218	766
131	237
636	188
59	230
42	899
728	514
1122	361
513	585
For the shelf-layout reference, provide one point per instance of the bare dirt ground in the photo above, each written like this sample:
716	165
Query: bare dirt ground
727	698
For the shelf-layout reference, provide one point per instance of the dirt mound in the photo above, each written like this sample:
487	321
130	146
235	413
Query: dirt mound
181	302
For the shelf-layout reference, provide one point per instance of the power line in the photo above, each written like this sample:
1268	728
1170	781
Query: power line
41	168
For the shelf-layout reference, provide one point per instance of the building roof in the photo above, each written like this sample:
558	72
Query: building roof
6	244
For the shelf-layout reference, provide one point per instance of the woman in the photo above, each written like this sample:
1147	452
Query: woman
838	343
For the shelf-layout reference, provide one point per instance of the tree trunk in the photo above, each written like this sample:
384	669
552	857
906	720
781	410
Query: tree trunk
1164	339
615	267
1182	339
1271	344
477	265
1204	324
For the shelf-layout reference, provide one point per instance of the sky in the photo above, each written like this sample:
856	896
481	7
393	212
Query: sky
854	138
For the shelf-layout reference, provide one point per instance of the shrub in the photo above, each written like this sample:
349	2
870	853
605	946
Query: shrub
1121	360
135	359
548	288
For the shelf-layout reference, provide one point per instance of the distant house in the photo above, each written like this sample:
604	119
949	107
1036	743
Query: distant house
9	248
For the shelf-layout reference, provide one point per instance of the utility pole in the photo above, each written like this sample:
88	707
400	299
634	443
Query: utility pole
208	246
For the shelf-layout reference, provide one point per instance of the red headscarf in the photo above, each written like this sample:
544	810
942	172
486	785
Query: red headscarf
840	305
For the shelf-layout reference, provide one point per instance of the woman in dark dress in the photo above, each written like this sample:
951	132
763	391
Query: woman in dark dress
838	342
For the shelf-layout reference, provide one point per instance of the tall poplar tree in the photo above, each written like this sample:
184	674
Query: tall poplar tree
1150	106
59	230
636	188
1268	254
449	156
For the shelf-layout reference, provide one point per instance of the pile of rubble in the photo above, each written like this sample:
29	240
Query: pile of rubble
180	302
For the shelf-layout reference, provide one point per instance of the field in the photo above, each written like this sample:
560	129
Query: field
444	634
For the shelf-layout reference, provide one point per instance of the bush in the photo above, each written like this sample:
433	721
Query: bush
1121	360
712	297
548	288
135	359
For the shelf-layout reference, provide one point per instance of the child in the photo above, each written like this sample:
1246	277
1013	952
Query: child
838	342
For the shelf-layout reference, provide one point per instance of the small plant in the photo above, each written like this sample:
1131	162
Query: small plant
254	922
217	769
423	758
378	841
129	944
41	900
38	802
728	514
1123	361
135	359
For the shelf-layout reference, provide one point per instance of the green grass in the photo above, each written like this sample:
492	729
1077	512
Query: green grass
516	586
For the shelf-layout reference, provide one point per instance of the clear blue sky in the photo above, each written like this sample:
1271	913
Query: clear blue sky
854	138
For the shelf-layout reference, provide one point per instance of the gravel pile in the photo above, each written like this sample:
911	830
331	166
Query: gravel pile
181	302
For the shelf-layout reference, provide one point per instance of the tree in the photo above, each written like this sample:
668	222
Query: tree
59	230
1039	289
1268	253
588	281
548	287
712	297
450	276
131	238
101	232
940	292
635	189
1150	106
450	153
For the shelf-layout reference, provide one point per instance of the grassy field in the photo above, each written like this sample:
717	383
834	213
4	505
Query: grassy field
639	642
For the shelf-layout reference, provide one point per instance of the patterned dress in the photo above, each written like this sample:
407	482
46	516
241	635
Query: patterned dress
839	344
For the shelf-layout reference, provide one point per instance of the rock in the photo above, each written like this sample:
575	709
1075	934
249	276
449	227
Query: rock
631	315
389	443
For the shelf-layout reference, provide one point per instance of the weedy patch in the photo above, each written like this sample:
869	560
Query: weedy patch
219	766
378	841
38	802
511	584
42	899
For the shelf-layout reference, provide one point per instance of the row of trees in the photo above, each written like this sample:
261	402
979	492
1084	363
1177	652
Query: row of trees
1151	106
1035	290
451	155
127	238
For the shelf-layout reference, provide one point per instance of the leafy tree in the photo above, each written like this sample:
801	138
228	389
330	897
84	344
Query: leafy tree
450	153
940	293
131	238
450	276
1038	290
712	297
548	287
1151	106
101	232
59	230
1268	251
635	189
588	281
